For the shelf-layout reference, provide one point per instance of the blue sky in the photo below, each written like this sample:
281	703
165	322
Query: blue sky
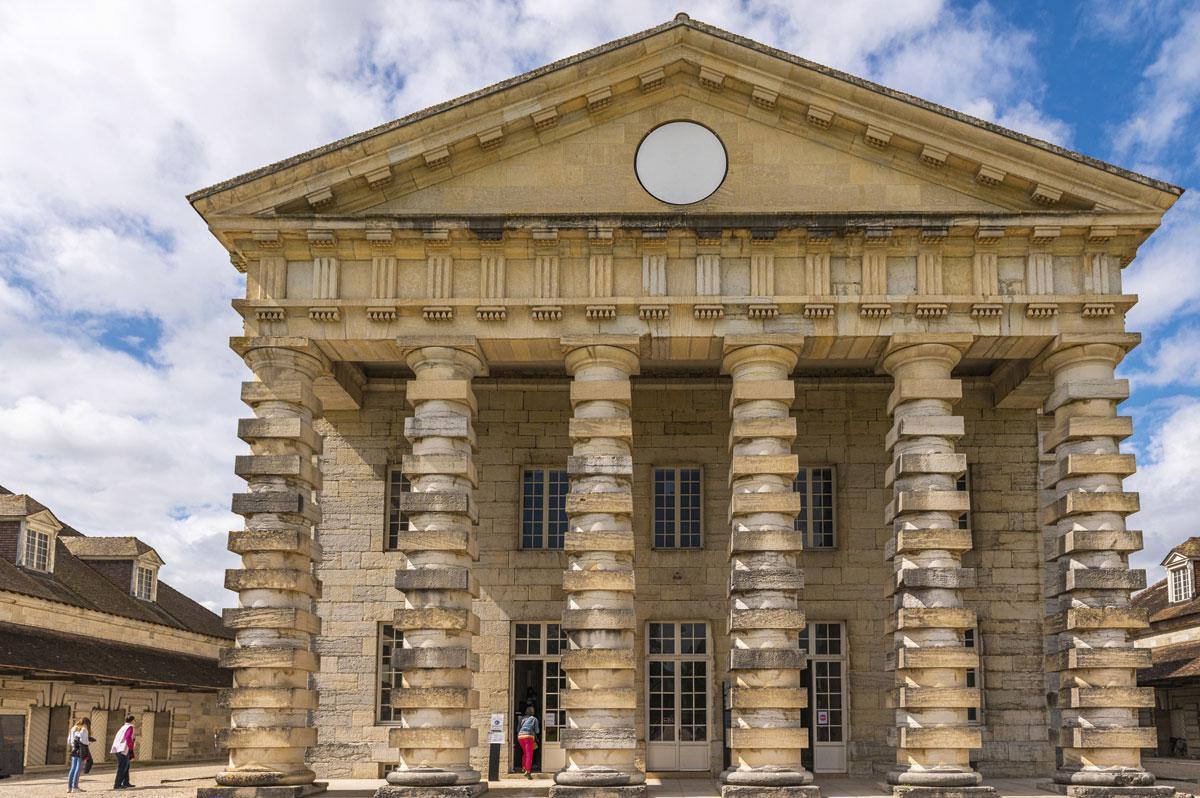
119	400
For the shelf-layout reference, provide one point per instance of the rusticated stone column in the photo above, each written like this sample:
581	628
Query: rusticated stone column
1090	649
600	698
933	740
765	579
275	621
438	623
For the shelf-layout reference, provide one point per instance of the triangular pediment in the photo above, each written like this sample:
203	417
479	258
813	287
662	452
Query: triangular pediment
800	138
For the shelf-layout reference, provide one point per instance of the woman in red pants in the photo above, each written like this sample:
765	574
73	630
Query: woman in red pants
527	739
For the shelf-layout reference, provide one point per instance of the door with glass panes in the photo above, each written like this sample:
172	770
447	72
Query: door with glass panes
538	681
677	696
827	714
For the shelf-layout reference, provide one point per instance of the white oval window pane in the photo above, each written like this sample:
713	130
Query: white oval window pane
681	162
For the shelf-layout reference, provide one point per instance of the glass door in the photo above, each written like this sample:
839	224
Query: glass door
538	682
826	678
677	696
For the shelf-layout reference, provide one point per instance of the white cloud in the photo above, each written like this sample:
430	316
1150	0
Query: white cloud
119	109
1168	481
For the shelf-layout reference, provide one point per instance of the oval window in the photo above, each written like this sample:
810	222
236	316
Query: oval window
681	162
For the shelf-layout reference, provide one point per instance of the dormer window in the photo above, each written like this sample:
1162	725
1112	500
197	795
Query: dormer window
36	552
1179	583
143	583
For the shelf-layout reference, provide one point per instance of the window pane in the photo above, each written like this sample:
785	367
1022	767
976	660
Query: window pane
556	509
964	484
800	487
821	520
390	638
692	638
664	508
689	508
397	521
532	508
662	638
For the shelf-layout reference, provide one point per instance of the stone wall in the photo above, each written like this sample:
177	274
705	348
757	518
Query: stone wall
841	423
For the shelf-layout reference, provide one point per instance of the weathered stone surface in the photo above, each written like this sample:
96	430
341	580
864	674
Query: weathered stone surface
913	540
441	501
268	697
1109	697
766	659
598	658
580	540
766	619
763	579
600	698
757	390
600	464
600	390
282	465
1098	618
459	465
940	657
935	577
450	697
940	737
614	502
276	791
587	428
268	737
1077	391
436	618
455	738
907	390
1078	502
441	578
598	619
599	738
741	429
925	697
1102	579
750	464
460	391
1079	427
773	737
779	502
934	617
285	540
1099	540
768	697
925	426
574	791
621	581
436	425
1126	737
405	658
288	579
269	657
272	618
442	791
752	791
1112	657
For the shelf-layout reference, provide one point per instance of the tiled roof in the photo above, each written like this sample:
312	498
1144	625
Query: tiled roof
108	546
76	583
1173	662
1188	548
24	649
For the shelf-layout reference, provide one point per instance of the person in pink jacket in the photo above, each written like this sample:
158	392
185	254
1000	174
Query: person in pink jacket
123	747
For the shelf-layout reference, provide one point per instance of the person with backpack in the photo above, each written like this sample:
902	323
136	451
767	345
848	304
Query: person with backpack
78	740
527	734
123	747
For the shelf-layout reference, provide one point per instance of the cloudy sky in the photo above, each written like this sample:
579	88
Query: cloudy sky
119	395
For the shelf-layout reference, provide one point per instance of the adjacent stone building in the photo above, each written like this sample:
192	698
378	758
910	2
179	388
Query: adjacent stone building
88	630
738	415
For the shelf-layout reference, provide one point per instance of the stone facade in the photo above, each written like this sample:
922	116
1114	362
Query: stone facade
884	306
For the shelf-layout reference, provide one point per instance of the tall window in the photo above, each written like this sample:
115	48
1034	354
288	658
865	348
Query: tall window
390	638
677	682
143	583
677	508
397	521
37	550
964	484
544	508
814	522
974	680
1180	584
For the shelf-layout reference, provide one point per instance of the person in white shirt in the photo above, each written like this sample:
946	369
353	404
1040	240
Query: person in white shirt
78	740
123	747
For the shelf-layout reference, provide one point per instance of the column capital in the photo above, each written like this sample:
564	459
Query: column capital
631	342
621	351
960	341
786	340
939	357
264	349
439	361
784	356
468	344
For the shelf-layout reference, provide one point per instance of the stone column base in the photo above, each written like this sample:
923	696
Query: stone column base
276	791
914	791
432	791
624	791
759	791
1094	791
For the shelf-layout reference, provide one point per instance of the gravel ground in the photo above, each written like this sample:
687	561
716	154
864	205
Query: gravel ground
159	782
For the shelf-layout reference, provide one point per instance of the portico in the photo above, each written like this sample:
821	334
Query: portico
854	407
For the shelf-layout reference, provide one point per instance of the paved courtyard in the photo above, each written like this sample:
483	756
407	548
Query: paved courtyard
180	781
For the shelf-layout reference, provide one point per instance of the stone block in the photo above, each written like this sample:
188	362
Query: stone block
572	791
949	390
578	540
757	390
935	578
598	619
932	618
448	618
588	428
291	541
1101	579
603	464
1078	502
907	541
457	539
1097	618
598	659
1115	390
293	428
1101	697
1076	428
418	391
441	578
432	658
936	697
449	697
276	791
925	427
449	737
1082	465
912	464
926	501
446	791
940	657
440	501
742	429
1123	737
749	465
292	392
775	737
754	791
459	465
748	659
287	579
1099	540
267	698
270	657
623	738
741	580
600	698
614	502
449	425
267	737
271	618
772	540
601	391
940	737
766	619
248	466
783	502
768	698
1116	657
620	581
280	502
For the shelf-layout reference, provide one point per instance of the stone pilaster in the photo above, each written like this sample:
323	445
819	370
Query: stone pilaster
933	739
436	697
601	696
275	620
1099	740
765	579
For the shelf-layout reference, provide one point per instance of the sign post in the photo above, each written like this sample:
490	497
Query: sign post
495	738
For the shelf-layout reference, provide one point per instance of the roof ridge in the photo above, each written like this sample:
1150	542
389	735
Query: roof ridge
682	20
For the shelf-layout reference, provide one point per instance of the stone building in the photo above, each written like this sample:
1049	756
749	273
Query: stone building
87	629
1173	638
740	415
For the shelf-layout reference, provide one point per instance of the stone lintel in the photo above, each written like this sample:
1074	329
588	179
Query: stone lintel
931	618
1102	658
750	659
1101	697
605	618
936	697
1122	540
581	540
1098	618
276	791
948	390
417	391
1077	428
299	659
924	658
600	464
597	659
293	428
448	697
925	427
433	737
458	465
290	579
598	738
1120	737
615	502
791	737
588	428
289	541
600	698
940	737
748	465
768	697
448	618
601	390
766	619
271	618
